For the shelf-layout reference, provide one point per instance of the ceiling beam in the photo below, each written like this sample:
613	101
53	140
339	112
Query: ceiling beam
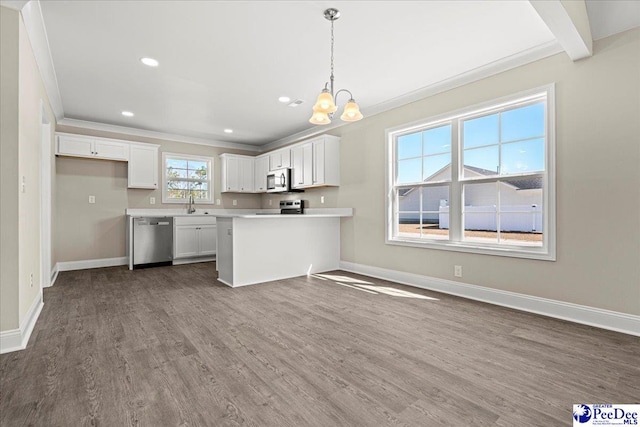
569	23
14	4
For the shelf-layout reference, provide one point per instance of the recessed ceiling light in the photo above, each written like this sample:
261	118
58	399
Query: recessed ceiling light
295	103
150	62
228	131
127	113
284	99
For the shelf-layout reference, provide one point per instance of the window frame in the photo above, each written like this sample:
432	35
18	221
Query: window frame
165	180
455	242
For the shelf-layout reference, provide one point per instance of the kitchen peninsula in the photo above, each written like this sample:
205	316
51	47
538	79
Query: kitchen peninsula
260	248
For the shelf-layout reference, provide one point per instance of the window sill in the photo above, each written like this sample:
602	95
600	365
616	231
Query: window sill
543	254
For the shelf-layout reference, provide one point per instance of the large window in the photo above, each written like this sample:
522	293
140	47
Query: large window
185	175
477	180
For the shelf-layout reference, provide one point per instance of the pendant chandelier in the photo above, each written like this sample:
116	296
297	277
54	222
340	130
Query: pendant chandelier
325	105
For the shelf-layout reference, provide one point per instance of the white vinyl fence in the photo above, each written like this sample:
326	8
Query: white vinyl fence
524	218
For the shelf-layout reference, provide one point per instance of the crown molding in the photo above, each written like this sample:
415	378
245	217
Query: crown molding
103	127
37	33
488	70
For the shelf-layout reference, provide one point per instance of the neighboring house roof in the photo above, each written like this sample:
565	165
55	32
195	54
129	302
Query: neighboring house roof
519	184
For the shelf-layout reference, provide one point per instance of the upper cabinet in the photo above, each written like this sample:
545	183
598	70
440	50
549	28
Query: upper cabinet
143	166
94	148
302	160
261	169
237	173
313	163
142	158
316	163
280	159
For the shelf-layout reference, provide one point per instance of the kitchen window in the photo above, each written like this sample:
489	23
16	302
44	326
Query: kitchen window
185	175
479	180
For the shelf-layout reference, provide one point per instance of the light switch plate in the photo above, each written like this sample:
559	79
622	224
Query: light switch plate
235	202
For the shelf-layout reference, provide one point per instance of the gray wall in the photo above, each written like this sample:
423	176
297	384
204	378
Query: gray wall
9	169
20	149
598	182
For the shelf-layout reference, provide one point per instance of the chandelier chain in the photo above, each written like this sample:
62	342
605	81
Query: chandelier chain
332	56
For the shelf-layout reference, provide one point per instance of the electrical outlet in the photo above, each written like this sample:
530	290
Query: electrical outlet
321	199
31	279
92	199
235	202
23	187
457	270
217	201
270	202
152	200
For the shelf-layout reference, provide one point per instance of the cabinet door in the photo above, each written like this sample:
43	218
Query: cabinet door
297	174
275	160
285	158
185	241
111	150
232	174
280	159
261	168
208	239
75	146
307	164
246	174
143	166
302	160
318	162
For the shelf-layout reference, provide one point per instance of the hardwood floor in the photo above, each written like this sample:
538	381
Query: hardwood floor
170	346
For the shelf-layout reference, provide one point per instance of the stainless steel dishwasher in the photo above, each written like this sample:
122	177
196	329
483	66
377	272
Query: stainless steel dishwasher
152	241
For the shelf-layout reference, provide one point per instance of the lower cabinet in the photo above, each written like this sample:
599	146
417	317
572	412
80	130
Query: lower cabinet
194	237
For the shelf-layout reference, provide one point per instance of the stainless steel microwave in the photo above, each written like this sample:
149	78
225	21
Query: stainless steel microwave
279	181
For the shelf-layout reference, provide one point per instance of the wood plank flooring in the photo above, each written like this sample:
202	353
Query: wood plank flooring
170	346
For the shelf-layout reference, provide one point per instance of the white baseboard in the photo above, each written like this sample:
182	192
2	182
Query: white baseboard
54	276
181	261
605	319
17	339
91	263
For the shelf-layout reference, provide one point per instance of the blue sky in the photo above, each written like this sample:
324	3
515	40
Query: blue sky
512	141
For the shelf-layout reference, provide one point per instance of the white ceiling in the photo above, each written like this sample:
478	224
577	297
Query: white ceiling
223	64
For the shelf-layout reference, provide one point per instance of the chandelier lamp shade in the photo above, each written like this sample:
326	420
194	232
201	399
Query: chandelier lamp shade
325	105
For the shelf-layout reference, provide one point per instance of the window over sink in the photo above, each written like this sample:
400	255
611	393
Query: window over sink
184	175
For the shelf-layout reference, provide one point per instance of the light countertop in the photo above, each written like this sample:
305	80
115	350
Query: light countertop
241	213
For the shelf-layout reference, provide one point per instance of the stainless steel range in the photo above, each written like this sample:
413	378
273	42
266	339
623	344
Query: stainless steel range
292	207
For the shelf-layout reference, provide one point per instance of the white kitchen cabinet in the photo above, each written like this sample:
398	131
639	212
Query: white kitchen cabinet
237	173
326	161
207	240
280	159
316	163
185	241
302	161
261	169
194	237
93	148
143	166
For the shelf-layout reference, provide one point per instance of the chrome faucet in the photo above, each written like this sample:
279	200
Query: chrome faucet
191	209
